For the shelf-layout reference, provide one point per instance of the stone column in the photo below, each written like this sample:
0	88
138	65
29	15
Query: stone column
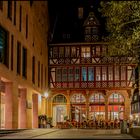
11	105
35	111
106	104
127	108
106	110
42	105
29	108
49	107
8	105
68	104
87	103
15	105
22	108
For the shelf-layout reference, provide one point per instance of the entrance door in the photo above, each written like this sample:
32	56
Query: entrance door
59	112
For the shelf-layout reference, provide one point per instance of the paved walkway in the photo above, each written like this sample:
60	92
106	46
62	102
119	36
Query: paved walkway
67	134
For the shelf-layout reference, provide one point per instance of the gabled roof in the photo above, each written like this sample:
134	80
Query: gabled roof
91	20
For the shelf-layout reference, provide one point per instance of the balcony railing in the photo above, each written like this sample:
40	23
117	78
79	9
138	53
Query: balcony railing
93	84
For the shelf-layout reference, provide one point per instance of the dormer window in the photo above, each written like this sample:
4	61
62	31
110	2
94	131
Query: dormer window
91	25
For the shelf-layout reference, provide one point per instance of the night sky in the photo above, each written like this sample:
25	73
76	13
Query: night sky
64	18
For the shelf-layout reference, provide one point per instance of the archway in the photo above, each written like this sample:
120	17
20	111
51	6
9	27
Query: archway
59	109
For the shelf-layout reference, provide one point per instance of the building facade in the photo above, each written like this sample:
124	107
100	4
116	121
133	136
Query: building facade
135	103
86	84
23	63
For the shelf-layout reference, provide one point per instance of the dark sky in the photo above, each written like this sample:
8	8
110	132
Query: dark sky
64	18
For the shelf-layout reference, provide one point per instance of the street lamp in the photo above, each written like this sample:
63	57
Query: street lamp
46	94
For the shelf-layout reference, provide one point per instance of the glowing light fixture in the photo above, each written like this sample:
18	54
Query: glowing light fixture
46	94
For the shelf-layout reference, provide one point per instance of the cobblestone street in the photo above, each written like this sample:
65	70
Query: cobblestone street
67	134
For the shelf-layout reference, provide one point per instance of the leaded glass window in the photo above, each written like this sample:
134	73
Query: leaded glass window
78	98
96	98
116	98
59	99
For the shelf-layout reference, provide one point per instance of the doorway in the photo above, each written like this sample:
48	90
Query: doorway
59	113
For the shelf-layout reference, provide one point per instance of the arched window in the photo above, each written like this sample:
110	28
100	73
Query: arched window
96	98
116	98
78	98
59	99
115	107
97	108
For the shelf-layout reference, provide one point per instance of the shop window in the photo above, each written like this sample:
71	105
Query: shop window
115	112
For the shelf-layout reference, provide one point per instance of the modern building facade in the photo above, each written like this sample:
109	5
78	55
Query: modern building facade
23	63
84	83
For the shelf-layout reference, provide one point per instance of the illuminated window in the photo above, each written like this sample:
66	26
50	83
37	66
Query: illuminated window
104	73
74	52
90	74
116	98
110	73
117	72
123	72
98	73
97	50
78	98
61	52
77	74
115	112
84	74
97	98
97	112
67	51
85	52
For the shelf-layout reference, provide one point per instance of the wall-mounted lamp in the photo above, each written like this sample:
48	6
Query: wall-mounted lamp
46	94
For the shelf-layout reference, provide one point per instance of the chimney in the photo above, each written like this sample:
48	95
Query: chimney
80	12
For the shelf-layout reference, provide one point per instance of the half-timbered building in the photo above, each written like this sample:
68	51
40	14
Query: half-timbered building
86	84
